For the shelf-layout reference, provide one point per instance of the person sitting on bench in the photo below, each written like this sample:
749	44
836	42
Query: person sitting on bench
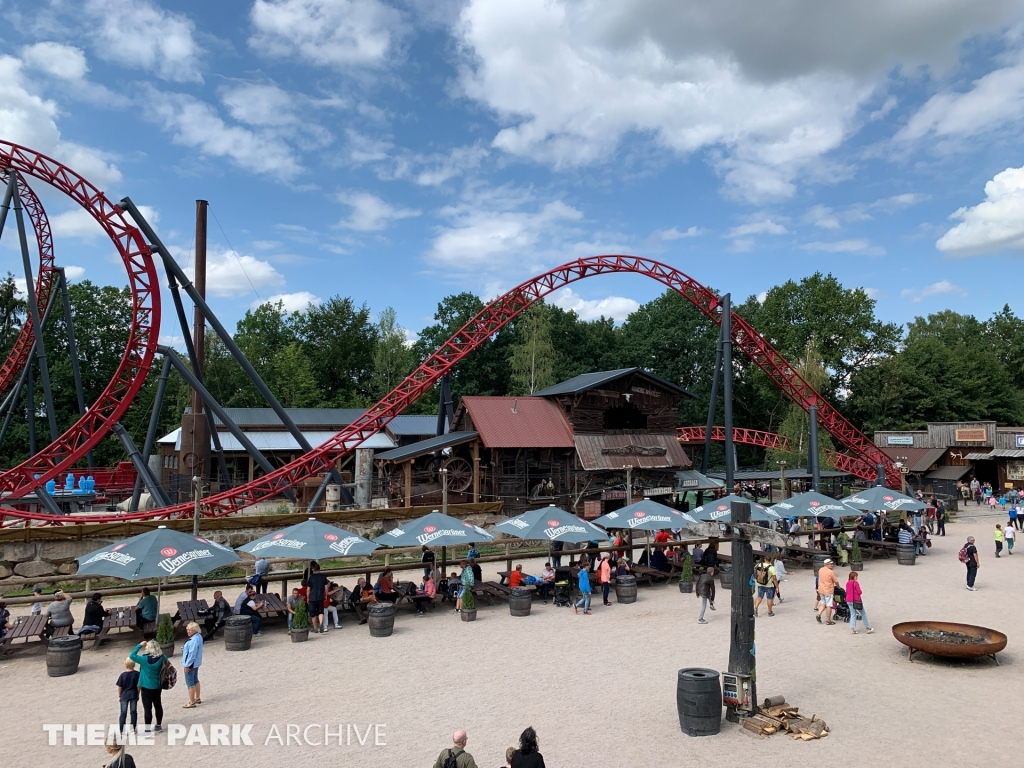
94	616
218	615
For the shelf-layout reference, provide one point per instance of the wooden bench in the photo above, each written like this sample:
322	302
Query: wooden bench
27	628
650	575
189	611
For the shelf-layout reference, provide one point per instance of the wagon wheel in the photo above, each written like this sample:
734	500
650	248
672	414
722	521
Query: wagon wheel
460	474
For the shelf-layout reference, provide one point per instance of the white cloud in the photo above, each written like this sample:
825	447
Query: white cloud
195	123
293	302
61	61
997	223
667	235
80	224
823	217
993	101
874	293
30	120
617	307
143	35
845	246
335	33
370	213
260	104
758	227
229	273
437	169
494	230
762	296
935	289
73	272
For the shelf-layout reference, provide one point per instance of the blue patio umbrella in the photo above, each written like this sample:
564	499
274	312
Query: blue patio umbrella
878	498
310	540
434	529
812	504
645	515
720	509
551	524
157	554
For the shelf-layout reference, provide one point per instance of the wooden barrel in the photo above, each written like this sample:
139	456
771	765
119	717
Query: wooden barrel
63	655
237	633
382	619
725	576
699	701
906	554
817	561
625	589
519	601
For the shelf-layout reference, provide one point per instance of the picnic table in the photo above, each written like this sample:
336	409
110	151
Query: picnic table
273	606
27	628
650	575
191	610
122	619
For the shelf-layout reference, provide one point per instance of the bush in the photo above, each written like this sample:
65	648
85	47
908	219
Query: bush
468	601
300	620
686	576
165	630
855	555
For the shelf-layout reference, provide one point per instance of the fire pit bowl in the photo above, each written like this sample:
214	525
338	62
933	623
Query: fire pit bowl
949	639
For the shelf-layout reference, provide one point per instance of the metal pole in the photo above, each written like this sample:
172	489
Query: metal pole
30	408
880	474
69	324
215	407
742	660
444	491
199	329
812	450
33	308
154	423
136	458
172	267
712	405
197	483
47	501
730	455
6	205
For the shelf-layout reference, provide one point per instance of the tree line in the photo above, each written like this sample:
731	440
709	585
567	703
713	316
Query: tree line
944	367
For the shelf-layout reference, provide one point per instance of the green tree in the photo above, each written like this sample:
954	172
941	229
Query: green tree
12	312
392	357
797	423
531	355
1007	333
339	339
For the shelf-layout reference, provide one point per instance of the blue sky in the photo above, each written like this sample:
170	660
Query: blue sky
398	152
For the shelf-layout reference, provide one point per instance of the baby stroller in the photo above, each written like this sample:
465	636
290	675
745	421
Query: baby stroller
563	594
840	608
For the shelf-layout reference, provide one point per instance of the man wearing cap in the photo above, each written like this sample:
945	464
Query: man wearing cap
37	606
827	583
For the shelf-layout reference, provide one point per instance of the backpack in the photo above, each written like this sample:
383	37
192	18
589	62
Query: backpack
168	675
452	760
962	554
761	574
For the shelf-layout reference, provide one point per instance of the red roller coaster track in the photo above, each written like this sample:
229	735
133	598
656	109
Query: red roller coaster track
130	375
695	435
19	353
138	356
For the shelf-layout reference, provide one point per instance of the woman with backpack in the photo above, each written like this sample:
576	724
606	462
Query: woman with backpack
151	663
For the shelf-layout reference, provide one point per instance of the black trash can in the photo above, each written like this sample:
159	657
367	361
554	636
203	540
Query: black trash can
699	701
725	575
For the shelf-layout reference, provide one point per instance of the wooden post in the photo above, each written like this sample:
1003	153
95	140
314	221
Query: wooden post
741	647
476	472
407	467
508	556
252	469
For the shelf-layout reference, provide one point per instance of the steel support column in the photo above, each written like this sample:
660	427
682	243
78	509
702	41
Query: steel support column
154	424
140	466
742	660
69	324
713	404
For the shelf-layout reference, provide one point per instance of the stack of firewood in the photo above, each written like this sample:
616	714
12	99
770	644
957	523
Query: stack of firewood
776	715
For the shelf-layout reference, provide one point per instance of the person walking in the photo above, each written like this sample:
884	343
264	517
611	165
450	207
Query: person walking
128	696
150	660
969	556
855	597
317	594
528	755
584	600
999	539
191	660
940	518
263	571
767	583
1014	520
827	583
605	575
1010	534
456	756
705	590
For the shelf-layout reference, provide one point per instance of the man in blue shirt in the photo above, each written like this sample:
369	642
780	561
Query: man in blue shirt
584	591
473	552
191	660
262	570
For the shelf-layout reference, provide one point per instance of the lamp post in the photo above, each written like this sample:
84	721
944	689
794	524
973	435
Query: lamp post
901	464
782	478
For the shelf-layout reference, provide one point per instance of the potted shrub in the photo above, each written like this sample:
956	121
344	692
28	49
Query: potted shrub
300	623
165	634
856	559
468	606
686	577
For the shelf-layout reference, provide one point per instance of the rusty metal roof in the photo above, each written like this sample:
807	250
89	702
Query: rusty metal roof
633	450
518	422
918	459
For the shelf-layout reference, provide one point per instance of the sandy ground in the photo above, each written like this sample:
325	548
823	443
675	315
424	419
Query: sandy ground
599	689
